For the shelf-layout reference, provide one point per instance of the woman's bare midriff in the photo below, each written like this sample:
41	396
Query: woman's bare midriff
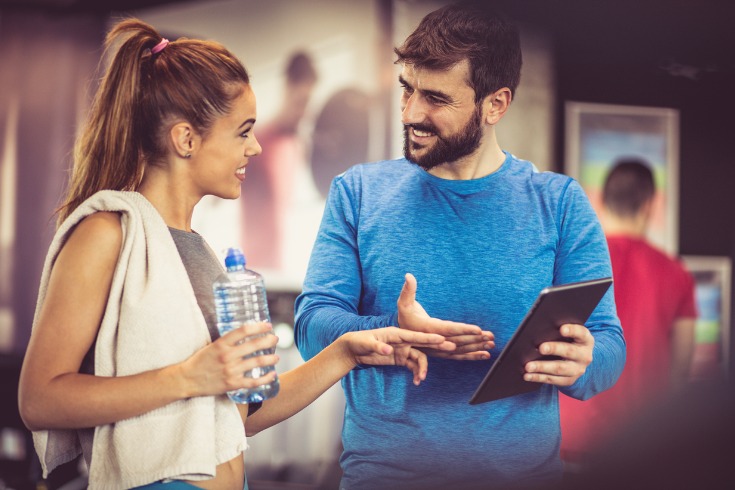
230	476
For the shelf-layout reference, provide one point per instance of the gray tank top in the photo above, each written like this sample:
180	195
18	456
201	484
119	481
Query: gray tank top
203	267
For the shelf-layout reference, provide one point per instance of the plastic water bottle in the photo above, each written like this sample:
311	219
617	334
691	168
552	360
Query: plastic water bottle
239	296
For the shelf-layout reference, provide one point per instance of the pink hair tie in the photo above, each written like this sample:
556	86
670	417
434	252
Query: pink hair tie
159	47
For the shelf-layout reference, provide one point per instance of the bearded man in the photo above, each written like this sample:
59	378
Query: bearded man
482	232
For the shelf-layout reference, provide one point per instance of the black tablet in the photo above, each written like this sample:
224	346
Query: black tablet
554	306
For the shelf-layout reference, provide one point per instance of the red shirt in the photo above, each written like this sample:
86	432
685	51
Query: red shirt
652	291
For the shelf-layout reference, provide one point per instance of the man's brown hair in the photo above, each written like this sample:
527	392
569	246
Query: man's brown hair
471	31
628	187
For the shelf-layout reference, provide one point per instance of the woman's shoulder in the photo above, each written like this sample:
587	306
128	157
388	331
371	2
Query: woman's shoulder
101	221
97	235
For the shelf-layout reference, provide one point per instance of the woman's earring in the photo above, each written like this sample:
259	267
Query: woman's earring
188	155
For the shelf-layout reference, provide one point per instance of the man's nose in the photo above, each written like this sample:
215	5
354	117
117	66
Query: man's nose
413	110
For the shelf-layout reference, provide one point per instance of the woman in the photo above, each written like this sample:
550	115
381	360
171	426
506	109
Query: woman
124	364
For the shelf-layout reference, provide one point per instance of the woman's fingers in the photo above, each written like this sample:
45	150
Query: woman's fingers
235	372
472	343
249	329
418	362
395	335
248	339
481	355
244	383
244	349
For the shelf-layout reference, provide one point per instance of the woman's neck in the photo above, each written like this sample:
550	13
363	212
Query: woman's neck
172	199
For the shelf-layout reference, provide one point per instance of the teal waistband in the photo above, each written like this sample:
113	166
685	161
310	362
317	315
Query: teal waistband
174	485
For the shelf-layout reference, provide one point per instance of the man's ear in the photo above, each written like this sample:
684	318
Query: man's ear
646	209
495	105
182	139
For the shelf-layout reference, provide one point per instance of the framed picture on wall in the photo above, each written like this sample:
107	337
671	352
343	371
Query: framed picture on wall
596	135
712	277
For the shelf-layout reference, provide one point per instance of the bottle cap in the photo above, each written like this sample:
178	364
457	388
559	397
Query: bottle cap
235	258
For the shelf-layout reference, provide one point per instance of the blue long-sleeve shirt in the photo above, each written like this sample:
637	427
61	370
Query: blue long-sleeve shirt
481	250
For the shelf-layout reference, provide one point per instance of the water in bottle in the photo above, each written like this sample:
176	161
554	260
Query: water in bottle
239	296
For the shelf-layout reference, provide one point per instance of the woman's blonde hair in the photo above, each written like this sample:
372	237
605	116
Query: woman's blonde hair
140	95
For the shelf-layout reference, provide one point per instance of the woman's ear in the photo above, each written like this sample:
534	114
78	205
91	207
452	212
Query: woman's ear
182	139
495	105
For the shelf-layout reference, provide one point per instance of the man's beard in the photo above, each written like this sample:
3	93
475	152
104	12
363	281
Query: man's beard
446	149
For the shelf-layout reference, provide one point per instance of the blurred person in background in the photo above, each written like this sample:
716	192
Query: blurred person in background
275	179
654	294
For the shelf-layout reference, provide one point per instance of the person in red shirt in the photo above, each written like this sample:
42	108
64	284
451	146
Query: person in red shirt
654	295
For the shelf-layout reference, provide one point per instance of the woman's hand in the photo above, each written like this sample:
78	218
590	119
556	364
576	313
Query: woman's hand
220	366
392	346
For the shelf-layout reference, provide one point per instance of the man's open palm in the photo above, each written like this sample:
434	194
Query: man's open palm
472	342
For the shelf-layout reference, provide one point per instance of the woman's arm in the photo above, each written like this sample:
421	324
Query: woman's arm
302	385
54	394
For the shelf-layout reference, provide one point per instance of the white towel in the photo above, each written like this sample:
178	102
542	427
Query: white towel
151	320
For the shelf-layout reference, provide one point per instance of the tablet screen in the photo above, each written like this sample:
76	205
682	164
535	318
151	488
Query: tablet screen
554	306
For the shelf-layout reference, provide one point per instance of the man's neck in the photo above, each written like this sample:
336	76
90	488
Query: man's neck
629	226
487	159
